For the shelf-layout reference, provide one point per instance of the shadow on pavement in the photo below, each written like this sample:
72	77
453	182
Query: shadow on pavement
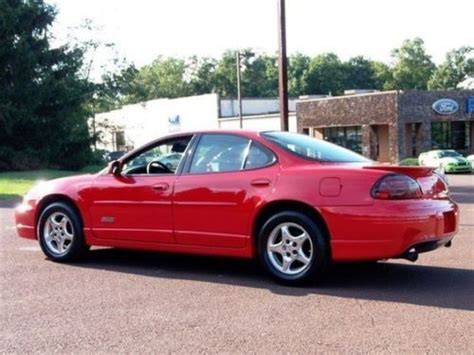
391	281
9	200
462	193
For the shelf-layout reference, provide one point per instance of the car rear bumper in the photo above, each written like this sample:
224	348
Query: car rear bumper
388	229
25	221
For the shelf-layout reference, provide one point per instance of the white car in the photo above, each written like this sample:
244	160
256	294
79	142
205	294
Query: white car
446	160
471	160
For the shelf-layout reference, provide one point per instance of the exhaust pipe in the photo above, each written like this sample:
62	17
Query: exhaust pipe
410	255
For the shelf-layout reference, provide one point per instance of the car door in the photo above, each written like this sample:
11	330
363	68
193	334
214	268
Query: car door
137	204
223	182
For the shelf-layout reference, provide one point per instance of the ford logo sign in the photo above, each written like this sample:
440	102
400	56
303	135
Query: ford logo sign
445	106
174	119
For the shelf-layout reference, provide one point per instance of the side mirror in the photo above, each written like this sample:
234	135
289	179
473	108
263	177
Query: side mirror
115	168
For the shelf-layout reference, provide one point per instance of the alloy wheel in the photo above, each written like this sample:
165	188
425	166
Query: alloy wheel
58	233
290	248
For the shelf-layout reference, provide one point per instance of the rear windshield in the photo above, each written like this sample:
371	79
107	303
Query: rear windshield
312	148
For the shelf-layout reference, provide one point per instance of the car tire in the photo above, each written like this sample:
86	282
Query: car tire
293	249
60	233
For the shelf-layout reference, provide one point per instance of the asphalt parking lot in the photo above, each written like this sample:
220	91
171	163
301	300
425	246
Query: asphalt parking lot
120	301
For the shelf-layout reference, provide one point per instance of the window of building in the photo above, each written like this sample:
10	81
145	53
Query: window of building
119	140
349	137
441	135
450	135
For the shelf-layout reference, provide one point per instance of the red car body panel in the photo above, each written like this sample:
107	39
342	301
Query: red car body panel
215	213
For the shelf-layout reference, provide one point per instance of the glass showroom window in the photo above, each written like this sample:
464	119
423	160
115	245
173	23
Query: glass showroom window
450	135
441	135
348	137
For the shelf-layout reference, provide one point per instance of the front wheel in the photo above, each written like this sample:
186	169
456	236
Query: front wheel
60	233
292	248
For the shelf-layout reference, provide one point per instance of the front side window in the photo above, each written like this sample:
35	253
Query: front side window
312	148
162	158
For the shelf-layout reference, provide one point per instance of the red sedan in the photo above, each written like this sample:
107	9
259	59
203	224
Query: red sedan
295	202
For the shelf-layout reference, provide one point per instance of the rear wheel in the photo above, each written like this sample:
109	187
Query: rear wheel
60	233
292	248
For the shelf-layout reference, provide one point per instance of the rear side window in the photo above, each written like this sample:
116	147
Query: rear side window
312	148
226	152
218	153
258	157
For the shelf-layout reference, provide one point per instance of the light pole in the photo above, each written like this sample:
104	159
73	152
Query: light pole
239	96
282	67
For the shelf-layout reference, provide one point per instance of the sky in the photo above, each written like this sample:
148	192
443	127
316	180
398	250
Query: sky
143	29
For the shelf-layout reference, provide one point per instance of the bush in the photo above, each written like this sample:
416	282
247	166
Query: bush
409	161
26	159
76	156
98	156
6	155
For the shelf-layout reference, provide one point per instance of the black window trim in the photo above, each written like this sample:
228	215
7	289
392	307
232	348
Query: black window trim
154	144
187	165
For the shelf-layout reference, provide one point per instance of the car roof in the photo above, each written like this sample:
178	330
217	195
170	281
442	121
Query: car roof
219	130
243	132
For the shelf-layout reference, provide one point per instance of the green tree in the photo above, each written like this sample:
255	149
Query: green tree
359	74
413	66
458	65
202	73
43	111
226	74
259	75
163	78
325	75
383	75
298	66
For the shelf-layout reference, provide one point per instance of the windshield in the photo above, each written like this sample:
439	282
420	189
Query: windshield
312	148
449	154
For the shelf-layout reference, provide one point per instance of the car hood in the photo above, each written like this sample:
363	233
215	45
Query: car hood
454	160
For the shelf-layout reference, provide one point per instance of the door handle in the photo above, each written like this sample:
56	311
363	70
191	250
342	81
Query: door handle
260	182
161	186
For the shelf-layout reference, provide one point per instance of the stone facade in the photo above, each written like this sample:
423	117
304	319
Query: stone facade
370	111
389	120
416	106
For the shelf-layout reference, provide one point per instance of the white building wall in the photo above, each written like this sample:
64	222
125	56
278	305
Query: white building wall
258	123
253	106
146	121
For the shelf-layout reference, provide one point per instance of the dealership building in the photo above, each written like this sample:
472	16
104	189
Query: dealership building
385	126
133	125
391	125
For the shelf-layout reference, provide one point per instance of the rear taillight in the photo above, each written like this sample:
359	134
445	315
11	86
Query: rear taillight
396	187
440	189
